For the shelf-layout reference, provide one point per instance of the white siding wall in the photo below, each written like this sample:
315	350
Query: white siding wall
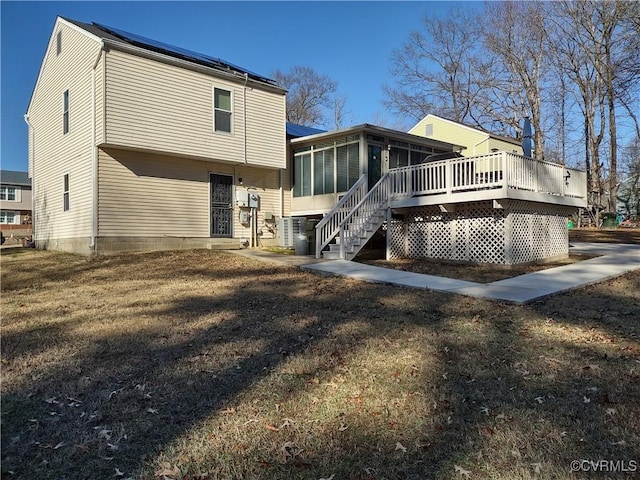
165	108
147	195
57	154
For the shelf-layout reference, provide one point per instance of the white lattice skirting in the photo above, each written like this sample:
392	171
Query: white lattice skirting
519	232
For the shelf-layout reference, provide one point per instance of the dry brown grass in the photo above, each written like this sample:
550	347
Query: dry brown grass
605	235
202	365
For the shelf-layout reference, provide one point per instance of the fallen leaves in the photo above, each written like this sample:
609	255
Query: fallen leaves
167	471
461	471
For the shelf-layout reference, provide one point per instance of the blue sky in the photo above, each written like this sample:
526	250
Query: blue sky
351	42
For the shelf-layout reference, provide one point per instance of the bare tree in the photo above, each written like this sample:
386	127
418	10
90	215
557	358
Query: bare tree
432	70
629	188
515	37
310	96
596	45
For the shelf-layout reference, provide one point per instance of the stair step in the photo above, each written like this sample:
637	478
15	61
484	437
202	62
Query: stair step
328	255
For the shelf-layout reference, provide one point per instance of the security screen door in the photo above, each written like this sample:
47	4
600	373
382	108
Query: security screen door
221	205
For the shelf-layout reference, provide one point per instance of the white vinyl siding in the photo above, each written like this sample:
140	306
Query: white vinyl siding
169	196
55	153
167	109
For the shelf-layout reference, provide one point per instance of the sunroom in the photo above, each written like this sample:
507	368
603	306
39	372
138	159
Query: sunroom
326	165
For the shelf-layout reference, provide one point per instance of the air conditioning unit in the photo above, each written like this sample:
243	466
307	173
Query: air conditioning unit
289	228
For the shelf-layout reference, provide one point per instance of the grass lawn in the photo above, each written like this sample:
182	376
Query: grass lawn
205	365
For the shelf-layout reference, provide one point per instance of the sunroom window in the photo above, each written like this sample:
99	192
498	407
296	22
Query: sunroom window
323	172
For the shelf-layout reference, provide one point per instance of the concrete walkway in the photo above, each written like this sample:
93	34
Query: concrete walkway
616	259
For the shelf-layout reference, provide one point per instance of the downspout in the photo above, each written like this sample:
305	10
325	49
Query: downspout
244	116
31	168
31	140
94	155
479	143
281	213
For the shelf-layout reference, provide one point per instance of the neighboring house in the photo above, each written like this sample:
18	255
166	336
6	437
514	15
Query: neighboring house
15	203
473	141
135	144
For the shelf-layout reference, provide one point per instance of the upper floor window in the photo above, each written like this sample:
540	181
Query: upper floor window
65	112
8	193
222	110
59	42
65	192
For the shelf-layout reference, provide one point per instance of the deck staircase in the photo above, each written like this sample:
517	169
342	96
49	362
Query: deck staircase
354	220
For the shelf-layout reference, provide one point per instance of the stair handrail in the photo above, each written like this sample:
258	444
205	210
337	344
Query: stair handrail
333	217
380	189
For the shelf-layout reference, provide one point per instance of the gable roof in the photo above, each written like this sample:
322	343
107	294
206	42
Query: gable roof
11	177
475	128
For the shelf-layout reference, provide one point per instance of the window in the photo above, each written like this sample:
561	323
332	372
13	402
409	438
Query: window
8	193
302	175
398	157
323	172
428	130
65	112
348	166
59	43
222	110
65	193
9	218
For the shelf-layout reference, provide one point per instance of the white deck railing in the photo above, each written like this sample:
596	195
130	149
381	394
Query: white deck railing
329	226
499	170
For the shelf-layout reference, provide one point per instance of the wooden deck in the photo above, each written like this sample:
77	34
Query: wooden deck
495	176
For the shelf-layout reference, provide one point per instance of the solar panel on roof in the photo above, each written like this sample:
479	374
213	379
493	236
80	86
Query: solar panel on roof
172	50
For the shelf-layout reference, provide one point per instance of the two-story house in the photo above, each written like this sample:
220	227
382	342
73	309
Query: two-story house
15	204
139	145
136	144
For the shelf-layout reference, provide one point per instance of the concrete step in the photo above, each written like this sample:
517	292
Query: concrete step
329	255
